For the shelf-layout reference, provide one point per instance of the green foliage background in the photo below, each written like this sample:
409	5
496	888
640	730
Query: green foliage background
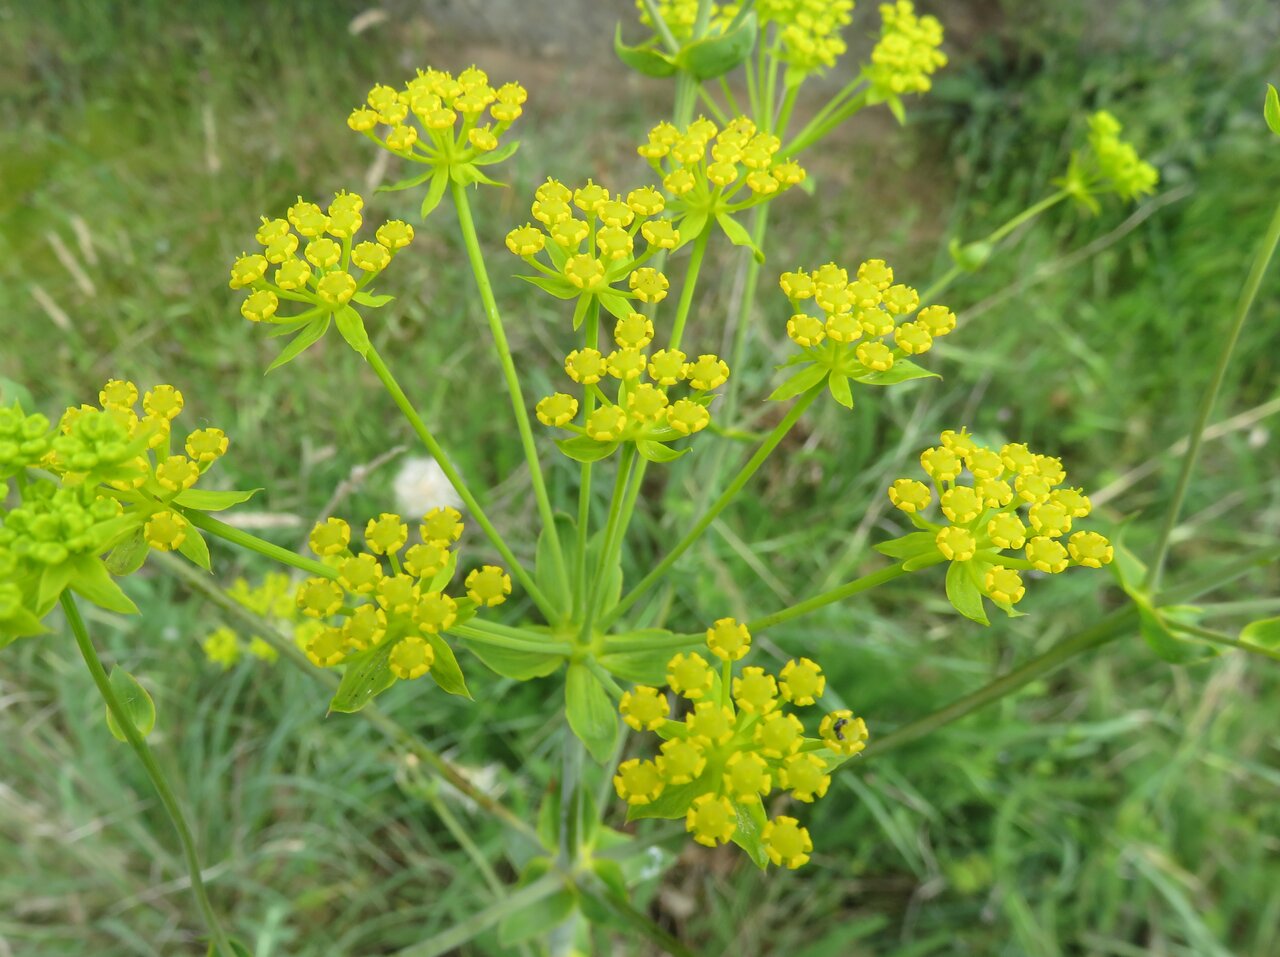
1122	807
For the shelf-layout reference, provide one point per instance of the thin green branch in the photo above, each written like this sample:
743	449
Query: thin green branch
858	585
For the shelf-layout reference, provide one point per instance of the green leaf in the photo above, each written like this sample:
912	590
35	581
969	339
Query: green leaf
53	581
591	713
440	581
311	333
895	107
137	704
903	370
909	545
89	577
466	174
373	302
657	452
738	235
127	557
444	669
539	916
616	304
580	310
505	151
799	382
963	591
691	227
557	588
671	804
435	193
1271	109
195	549
558	287
1264	633
644	58
970	256
580	448
205	500
1157	626
748	835
407	183
520	665
838	385
366	676
715	56
352	328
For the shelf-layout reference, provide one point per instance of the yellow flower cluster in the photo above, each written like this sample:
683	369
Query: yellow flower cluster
272	599
736	745
399	608
1118	162
318	273
907	53
809	30
994	501
640	411
586	255
680	16
449	109
132	455
713	172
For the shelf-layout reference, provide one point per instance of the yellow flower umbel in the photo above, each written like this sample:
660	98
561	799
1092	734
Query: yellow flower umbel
308	258
272	599
739	742
391	602
591	245
644	408
712	173
1107	165
993	504
864	329
809	30
460	122
906	56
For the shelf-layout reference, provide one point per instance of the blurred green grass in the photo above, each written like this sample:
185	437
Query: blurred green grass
1117	807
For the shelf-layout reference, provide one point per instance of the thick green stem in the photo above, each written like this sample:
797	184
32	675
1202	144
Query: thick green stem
1113	626
612	542
728	495
865	583
485	288
156	776
253	543
455	479
1247	294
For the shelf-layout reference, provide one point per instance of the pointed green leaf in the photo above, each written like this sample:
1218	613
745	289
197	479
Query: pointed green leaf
505	151
715	56
195	549
909	545
580	448
963	591
558	588
1157	626
799	382
1264	633
616	304
466	174
903	370
206	500
53	581
643	59
352	328
895	107
750	831
444	669
435	193
591	713
127	557
691	227
137	704
1271	109
440	581
407	183
90	578
365	676
838	385
671	804
580	310
311	333
520	665
738	235
370	300
657	452
557	286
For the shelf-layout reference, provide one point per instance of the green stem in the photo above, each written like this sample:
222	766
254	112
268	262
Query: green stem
485	288
1247	294
1110	628
816	129
591	341
865	583
253	543
690	282
740	480
759	225
484	637
156	776
661	28
612	538
1219	638
455	479
478	923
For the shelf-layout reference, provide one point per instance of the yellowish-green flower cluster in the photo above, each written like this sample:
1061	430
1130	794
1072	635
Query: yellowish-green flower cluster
24	440
680	16
308	257
907	54
585	256
863	331
1118	162
643	412
809	30
450	110
389	603
737	744
273	600
712	173
994	503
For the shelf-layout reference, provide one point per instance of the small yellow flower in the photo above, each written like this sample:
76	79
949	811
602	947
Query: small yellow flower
370	257
246	270
557	410
295	274
644	708
646	403
1032	487
327	648
681	760
1047	555
362	119
786	842
805	330
606	424
802	681
585	366
395	234
985	464
365	627
711	819
843	733
1007	531
648	284
165	530
222	647
176	473
646	201
207	445
746	776
488	585
876	272
689	675
386	534
626	364
778	735
936	320
526	240
1049	519
319	598
995	493
1004	585
798	285
909	495
1018	458
260	306
711	721
805	776
961	504
957	544
941	464
164	401
435	612
728	640
410	658
442	525
638	782
397	594
876	356
755	691
707	373
359	574
912	338
336	288
1090	549
667	366
633	332
426	559
586	272
330	537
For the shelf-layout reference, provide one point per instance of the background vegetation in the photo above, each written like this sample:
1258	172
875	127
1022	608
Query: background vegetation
1122	807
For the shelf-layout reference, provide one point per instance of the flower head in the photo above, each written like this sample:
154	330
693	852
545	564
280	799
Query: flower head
907	54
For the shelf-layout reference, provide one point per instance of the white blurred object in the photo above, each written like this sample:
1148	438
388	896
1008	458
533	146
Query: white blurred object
421	485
